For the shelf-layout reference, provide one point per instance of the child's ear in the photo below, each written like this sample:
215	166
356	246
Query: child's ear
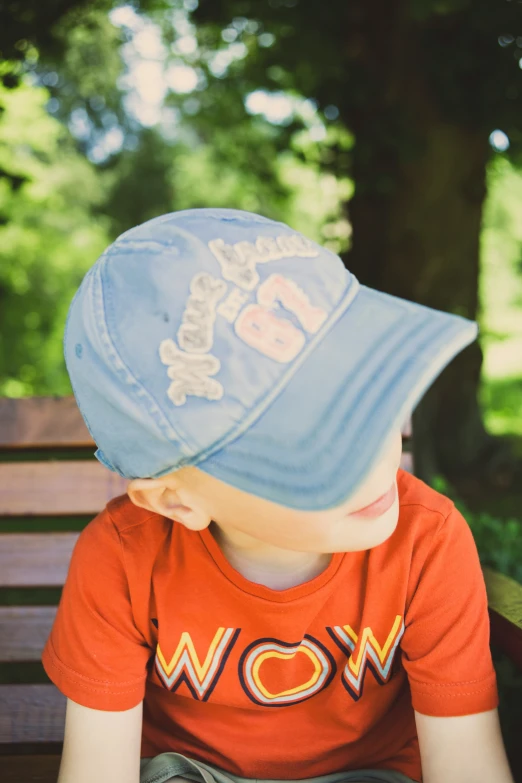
154	495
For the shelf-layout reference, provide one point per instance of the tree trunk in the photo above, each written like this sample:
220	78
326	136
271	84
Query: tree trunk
416	217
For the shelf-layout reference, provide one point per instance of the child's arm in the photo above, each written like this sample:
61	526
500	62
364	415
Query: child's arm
464	749
101	746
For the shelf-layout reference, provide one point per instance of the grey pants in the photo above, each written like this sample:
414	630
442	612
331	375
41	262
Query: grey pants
160	768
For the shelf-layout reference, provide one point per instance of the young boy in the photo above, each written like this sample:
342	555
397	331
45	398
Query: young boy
274	599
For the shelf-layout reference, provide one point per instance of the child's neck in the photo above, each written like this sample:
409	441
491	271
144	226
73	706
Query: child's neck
265	564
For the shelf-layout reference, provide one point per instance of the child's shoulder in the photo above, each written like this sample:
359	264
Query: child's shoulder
122	519
124	515
121	533
423	510
415	493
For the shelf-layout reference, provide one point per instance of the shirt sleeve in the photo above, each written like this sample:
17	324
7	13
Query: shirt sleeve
95	655
445	647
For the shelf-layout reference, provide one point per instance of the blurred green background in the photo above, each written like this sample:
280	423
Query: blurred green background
112	114
389	132
392	135
127	115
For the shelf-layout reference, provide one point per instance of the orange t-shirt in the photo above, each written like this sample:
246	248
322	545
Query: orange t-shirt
286	684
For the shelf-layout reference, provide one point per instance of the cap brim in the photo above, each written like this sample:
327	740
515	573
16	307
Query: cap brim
319	439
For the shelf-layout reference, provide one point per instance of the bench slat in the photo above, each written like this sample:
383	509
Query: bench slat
42	422
29	769
505	611
504	596
24	631
31	713
77	487
35	559
507	637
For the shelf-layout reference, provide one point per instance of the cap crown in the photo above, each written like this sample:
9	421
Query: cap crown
187	328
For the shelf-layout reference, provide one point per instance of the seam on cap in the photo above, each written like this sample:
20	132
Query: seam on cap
174	216
65	338
157	221
119	366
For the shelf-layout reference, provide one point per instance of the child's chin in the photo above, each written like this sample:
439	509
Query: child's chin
385	525
373	532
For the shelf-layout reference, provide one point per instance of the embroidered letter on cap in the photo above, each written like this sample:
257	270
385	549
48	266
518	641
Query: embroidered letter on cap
238	262
231	306
190	373
196	333
239	269
274	337
279	288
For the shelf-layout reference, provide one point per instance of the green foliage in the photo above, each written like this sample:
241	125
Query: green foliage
49	236
26	22
464	55
141	183
499	542
424	9
31	23
91	62
501	299
207	175
470	55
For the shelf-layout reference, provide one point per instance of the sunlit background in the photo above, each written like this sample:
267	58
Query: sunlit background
50	238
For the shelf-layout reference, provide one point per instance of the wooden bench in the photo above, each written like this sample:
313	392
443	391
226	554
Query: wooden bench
50	487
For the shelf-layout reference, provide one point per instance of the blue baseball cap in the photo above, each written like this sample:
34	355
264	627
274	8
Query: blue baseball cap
221	339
